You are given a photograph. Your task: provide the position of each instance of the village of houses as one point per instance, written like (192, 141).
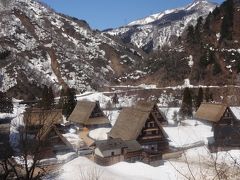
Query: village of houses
(135, 139)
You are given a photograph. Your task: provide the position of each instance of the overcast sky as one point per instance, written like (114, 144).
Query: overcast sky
(103, 14)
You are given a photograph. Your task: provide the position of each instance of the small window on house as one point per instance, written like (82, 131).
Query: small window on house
(148, 133)
(112, 153)
(149, 124)
(153, 124)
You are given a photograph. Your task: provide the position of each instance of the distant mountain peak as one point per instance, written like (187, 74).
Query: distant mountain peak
(158, 29)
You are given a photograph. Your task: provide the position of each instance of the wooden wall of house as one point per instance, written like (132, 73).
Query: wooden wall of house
(108, 153)
(46, 152)
(227, 130)
(156, 113)
(151, 137)
(133, 156)
(227, 135)
(108, 160)
(227, 118)
(97, 112)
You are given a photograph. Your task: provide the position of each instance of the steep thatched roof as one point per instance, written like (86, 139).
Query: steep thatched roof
(130, 123)
(82, 114)
(210, 112)
(44, 134)
(145, 105)
(38, 116)
(149, 106)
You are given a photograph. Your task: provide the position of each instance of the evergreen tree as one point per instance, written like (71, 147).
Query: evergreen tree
(186, 108)
(2, 101)
(61, 100)
(204, 60)
(69, 102)
(4, 54)
(216, 11)
(207, 22)
(227, 22)
(9, 105)
(216, 68)
(207, 94)
(47, 101)
(43, 102)
(199, 99)
(198, 29)
(6, 105)
(50, 98)
(190, 34)
(115, 99)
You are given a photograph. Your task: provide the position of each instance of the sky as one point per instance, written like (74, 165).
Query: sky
(104, 14)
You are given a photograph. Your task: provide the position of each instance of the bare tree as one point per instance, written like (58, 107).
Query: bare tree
(29, 148)
(215, 167)
(93, 173)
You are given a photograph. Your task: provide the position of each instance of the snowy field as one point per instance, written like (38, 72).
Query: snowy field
(190, 133)
(196, 163)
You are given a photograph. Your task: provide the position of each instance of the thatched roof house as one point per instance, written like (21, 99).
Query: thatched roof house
(145, 105)
(89, 114)
(142, 125)
(51, 132)
(40, 117)
(225, 120)
(130, 123)
(210, 112)
(52, 142)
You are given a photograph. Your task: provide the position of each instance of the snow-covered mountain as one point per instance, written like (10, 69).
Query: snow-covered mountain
(160, 29)
(40, 46)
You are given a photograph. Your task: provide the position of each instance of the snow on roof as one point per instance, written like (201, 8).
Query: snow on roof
(236, 111)
(74, 139)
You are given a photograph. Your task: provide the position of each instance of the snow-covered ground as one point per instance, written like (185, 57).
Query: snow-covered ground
(64, 158)
(190, 133)
(124, 101)
(197, 162)
(112, 115)
(95, 96)
(99, 134)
